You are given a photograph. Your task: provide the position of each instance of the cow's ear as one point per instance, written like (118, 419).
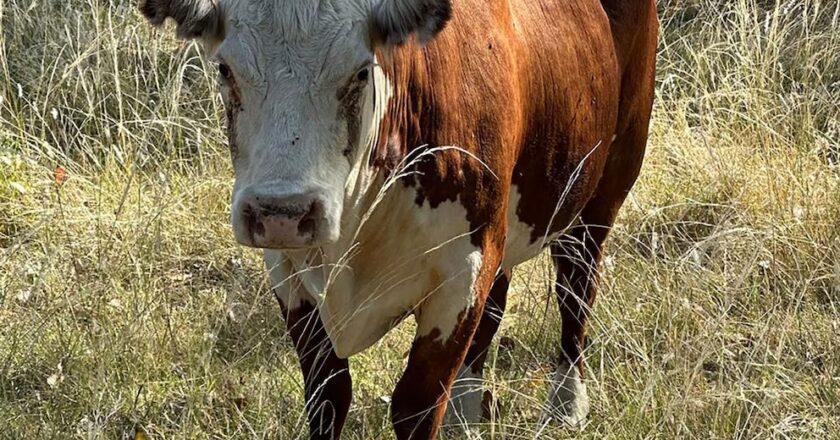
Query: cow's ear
(195, 18)
(394, 21)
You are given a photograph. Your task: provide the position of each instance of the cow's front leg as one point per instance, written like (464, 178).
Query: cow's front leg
(466, 402)
(326, 377)
(446, 322)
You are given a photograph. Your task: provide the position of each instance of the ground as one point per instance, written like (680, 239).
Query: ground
(125, 305)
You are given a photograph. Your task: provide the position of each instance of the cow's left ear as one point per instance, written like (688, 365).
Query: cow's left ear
(394, 21)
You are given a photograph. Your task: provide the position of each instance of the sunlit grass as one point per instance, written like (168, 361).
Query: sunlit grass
(125, 303)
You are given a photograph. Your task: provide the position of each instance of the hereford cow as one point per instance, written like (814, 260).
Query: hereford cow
(401, 157)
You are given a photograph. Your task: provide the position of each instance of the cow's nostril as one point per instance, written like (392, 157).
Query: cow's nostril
(309, 222)
(254, 225)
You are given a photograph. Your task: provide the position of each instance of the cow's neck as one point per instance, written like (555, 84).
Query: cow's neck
(394, 115)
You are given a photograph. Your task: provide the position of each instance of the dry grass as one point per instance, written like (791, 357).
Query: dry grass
(124, 302)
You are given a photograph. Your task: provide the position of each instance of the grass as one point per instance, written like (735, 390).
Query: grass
(125, 304)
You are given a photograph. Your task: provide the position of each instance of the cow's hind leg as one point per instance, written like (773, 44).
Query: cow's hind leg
(465, 402)
(578, 254)
(576, 257)
(327, 383)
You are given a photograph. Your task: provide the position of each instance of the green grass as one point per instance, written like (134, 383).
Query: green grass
(125, 303)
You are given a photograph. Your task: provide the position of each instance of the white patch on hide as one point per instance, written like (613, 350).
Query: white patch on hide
(376, 99)
(455, 294)
(567, 398)
(404, 257)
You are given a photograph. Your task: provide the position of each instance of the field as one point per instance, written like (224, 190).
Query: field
(125, 305)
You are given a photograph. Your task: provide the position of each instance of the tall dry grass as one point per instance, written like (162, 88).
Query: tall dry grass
(125, 304)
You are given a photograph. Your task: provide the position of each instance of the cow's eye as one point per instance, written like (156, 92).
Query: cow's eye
(363, 75)
(225, 72)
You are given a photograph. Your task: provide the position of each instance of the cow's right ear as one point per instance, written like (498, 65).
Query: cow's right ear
(200, 19)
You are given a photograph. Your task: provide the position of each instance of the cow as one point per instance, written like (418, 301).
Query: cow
(401, 157)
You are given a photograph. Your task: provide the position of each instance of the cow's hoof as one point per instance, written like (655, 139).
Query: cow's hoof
(465, 400)
(567, 399)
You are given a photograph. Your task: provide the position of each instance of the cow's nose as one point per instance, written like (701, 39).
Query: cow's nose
(279, 222)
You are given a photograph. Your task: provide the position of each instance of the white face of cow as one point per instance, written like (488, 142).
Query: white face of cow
(293, 82)
(296, 78)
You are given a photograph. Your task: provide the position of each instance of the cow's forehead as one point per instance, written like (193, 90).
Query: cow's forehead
(295, 20)
(312, 38)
